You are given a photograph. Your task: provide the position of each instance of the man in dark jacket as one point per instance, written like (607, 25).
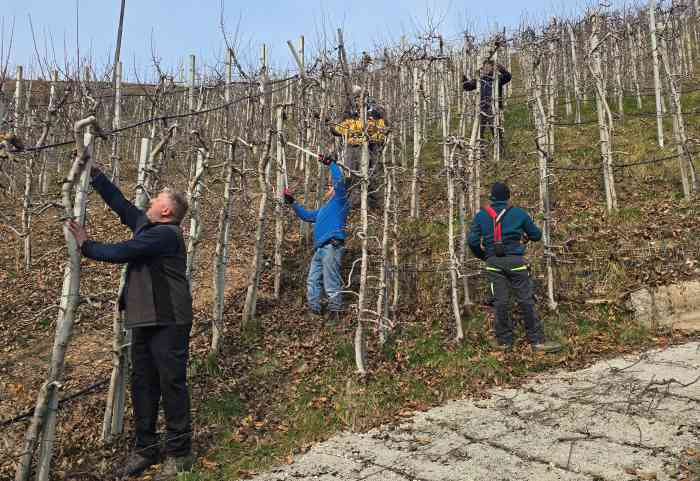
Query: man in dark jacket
(158, 308)
(486, 104)
(496, 236)
(329, 240)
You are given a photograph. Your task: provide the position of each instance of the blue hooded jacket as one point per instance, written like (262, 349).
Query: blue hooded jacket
(514, 223)
(330, 219)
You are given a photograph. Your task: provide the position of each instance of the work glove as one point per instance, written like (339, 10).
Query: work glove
(326, 159)
(288, 197)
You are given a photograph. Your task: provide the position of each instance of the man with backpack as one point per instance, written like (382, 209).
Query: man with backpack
(496, 236)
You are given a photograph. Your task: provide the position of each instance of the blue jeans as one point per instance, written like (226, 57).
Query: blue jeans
(324, 274)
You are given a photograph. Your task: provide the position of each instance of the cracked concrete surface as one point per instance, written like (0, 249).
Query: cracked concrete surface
(619, 420)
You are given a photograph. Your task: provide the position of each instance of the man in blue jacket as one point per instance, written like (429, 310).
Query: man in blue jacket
(158, 308)
(496, 236)
(329, 240)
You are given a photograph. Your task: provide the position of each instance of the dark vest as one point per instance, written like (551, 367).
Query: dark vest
(157, 292)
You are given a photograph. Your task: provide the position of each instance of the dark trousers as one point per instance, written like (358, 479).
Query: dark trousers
(506, 273)
(487, 125)
(159, 370)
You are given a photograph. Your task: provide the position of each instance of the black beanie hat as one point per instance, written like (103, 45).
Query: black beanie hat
(500, 192)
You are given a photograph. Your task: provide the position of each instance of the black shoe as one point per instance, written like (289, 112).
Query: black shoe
(135, 465)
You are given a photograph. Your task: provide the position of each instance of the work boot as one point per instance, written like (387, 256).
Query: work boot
(547, 347)
(314, 314)
(173, 466)
(135, 465)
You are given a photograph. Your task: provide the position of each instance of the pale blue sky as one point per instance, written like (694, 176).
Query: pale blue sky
(179, 28)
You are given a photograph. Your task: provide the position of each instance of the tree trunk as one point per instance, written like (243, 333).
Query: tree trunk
(194, 196)
(221, 256)
(604, 116)
(417, 142)
(657, 78)
(254, 278)
(43, 427)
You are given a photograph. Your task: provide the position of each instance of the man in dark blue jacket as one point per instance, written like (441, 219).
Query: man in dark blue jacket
(496, 236)
(329, 240)
(486, 103)
(158, 308)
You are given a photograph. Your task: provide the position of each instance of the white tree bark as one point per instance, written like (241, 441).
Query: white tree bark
(604, 115)
(254, 278)
(685, 157)
(281, 177)
(575, 71)
(222, 246)
(194, 197)
(360, 344)
(42, 429)
(116, 121)
(417, 142)
(657, 77)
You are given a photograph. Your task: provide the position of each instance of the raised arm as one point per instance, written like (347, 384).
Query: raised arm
(128, 213)
(159, 240)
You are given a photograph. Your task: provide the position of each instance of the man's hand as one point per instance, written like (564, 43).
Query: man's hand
(288, 197)
(326, 159)
(78, 232)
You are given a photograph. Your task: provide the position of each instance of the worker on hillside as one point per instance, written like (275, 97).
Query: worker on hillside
(329, 240)
(487, 116)
(352, 130)
(496, 236)
(158, 309)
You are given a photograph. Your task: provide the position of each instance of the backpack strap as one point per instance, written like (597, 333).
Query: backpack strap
(497, 218)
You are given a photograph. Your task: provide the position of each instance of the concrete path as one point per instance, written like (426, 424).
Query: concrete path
(620, 420)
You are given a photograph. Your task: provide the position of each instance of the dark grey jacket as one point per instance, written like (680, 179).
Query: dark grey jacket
(156, 291)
